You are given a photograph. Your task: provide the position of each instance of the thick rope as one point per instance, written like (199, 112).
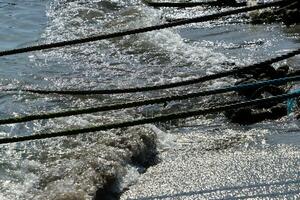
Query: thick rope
(160, 118)
(164, 86)
(191, 4)
(132, 104)
(143, 30)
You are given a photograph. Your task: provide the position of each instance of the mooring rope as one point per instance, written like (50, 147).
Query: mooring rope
(160, 118)
(143, 30)
(164, 86)
(132, 104)
(191, 4)
(286, 7)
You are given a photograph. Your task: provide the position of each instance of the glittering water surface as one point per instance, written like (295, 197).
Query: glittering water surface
(253, 161)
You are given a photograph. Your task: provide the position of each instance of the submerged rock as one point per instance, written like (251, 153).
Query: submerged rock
(288, 15)
(264, 111)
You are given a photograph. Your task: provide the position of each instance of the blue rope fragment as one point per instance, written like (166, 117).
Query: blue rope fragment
(292, 102)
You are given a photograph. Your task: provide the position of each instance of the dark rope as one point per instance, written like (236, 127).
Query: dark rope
(160, 118)
(192, 4)
(132, 104)
(143, 30)
(165, 86)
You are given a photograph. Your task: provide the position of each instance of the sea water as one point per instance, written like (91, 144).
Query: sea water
(76, 167)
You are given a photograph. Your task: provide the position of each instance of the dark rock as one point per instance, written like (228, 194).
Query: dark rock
(278, 111)
(289, 15)
(270, 110)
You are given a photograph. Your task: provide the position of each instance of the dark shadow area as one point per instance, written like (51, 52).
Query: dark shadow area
(108, 192)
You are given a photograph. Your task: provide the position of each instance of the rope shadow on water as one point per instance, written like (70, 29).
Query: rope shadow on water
(234, 188)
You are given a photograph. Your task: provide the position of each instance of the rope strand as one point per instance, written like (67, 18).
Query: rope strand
(160, 118)
(132, 104)
(191, 4)
(143, 30)
(164, 86)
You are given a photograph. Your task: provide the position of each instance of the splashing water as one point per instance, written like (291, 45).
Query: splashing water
(75, 167)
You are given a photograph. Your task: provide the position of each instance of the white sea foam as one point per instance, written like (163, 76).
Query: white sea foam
(74, 167)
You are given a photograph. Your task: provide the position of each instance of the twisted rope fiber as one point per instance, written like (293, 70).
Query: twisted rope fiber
(160, 118)
(143, 30)
(132, 104)
(164, 86)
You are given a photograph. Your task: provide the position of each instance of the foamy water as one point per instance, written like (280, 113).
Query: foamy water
(75, 167)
